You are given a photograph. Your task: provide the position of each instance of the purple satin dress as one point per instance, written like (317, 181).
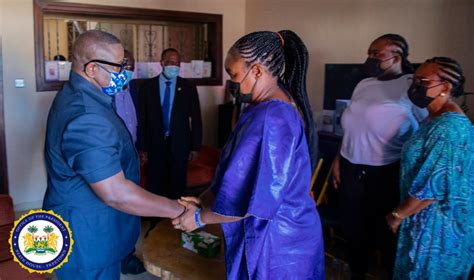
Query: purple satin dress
(264, 174)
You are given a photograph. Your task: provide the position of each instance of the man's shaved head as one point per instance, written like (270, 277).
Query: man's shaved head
(93, 44)
(97, 45)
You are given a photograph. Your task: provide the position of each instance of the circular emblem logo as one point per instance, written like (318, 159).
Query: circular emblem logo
(41, 241)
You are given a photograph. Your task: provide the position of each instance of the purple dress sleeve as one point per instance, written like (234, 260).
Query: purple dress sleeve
(256, 172)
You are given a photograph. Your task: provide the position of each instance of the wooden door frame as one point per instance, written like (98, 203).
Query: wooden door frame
(3, 154)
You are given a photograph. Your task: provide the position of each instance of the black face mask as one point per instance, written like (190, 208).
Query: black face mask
(233, 88)
(372, 66)
(417, 95)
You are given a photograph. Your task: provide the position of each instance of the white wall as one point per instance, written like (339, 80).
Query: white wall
(26, 110)
(340, 31)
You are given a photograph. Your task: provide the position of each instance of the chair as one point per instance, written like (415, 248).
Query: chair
(315, 175)
(201, 170)
(324, 188)
(327, 211)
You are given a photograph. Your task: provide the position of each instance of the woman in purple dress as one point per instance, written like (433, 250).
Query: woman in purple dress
(260, 193)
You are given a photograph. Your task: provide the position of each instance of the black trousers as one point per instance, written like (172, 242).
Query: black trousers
(367, 195)
(169, 178)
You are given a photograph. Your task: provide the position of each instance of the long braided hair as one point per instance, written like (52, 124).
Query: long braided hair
(402, 50)
(285, 56)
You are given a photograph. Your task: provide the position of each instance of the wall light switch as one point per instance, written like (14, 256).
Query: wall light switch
(19, 83)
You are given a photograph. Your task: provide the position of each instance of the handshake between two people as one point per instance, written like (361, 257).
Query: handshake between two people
(190, 219)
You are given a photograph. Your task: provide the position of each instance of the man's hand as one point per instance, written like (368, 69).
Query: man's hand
(186, 222)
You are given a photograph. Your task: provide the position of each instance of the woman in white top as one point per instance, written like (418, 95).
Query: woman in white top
(366, 171)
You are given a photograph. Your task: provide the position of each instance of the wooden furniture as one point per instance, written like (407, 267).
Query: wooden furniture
(201, 170)
(8, 268)
(164, 257)
(328, 148)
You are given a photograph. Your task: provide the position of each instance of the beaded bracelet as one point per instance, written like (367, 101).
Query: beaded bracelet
(196, 218)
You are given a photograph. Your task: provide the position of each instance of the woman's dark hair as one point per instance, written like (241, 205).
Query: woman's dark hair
(285, 56)
(403, 50)
(450, 71)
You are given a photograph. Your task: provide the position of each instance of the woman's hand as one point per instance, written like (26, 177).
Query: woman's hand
(393, 222)
(336, 173)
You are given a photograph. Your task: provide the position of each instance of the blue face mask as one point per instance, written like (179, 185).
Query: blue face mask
(171, 72)
(117, 81)
(129, 75)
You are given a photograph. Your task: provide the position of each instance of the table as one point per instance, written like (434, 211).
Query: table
(164, 257)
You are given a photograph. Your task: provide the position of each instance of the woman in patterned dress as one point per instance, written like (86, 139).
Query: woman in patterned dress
(437, 210)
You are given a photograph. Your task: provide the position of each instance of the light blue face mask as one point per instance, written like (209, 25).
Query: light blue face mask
(171, 72)
(129, 75)
(117, 81)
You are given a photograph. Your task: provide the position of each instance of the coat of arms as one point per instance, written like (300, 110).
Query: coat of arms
(40, 244)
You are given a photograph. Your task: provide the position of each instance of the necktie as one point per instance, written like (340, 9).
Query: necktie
(166, 109)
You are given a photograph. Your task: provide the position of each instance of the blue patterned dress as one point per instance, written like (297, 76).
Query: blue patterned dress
(437, 164)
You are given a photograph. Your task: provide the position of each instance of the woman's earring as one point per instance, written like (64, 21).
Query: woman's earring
(443, 93)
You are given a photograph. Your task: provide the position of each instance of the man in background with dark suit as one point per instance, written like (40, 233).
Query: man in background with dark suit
(169, 127)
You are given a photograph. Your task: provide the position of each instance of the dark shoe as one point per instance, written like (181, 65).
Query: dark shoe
(132, 265)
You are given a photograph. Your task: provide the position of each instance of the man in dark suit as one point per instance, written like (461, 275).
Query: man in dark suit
(169, 127)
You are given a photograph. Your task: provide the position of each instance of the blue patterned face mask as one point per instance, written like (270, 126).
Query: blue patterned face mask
(117, 81)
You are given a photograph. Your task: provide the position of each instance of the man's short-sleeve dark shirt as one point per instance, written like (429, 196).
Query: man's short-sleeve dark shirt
(87, 142)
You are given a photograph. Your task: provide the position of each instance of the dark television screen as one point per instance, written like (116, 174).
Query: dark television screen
(340, 81)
